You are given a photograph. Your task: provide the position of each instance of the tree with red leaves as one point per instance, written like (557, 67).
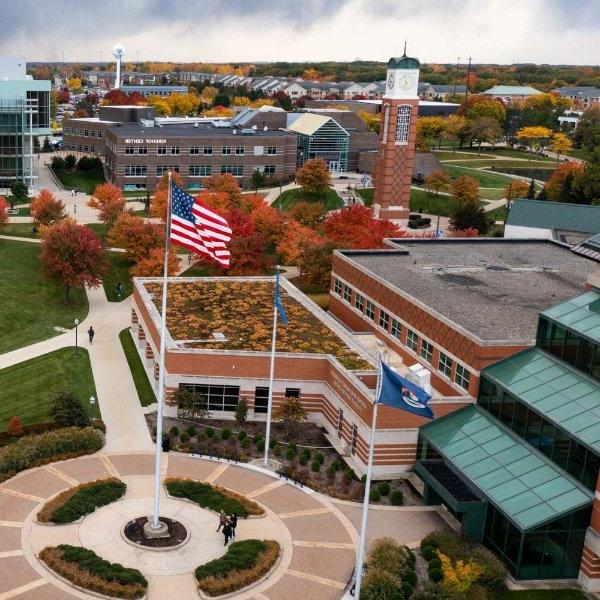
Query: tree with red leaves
(73, 255)
(63, 96)
(116, 98)
(4, 206)
(249, 255)
(109, 201)
(46, 208)
(356, 227)
(270, 223)
(296, 238)
(153, 264)
(136, 99)
(226, 183)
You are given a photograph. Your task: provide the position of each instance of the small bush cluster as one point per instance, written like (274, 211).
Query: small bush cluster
(32, 450)
(81, 500)
(244, 563)
(86, 569)
(212, 497)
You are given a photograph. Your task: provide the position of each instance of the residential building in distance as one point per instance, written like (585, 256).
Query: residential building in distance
(506, 93)
(435, 92)
(582, 97)
(24, 115)
(154, 90)
(564, 222)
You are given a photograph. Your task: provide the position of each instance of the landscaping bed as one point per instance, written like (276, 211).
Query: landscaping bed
(213, 497)
(140, 379)
(245, 563)
(81, 500)
(85, 569)
(60, 444)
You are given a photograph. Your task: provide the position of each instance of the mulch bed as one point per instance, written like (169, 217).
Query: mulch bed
(134, 532)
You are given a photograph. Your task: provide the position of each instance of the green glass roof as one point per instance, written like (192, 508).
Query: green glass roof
(567, 397)
(580, 314)
(526, 486)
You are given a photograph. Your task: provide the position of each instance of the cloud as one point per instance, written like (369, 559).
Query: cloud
(500, 31)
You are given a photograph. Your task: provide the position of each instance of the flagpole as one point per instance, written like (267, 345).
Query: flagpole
(365, 511)
(161, 372)
(270, 397)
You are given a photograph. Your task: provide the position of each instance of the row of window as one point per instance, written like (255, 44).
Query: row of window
(194, 170)
(195, 150)
(391, 325)
(94, 133)
(83, 148)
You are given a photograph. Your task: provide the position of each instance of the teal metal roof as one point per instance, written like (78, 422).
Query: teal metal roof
(512, 90)
(561, 393)
(526, 486)
(580, 314)
(555, 215)
(403, 62)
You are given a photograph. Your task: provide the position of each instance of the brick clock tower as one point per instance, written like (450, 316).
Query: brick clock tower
(397, 136)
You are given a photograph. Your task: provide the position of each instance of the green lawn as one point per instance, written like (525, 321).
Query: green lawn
(142, 385)
(118, 271)
(31, 305)
(579, 153)
(18, 230)
(567, 594)
(471, 153)
(82, 181)
(426, 202)
(27, 388)
(499, 164)
(366, 194)
(485, 178)
(491, 193)
(291, 197)
(197, 271)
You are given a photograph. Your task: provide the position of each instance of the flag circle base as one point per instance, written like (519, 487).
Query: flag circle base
(166, 536)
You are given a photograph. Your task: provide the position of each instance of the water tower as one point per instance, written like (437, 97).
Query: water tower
(118, 52)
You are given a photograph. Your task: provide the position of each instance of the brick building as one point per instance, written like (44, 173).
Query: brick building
(317, 360)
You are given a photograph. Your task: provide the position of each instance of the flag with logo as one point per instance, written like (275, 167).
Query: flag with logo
(278, 303)
(399, 392)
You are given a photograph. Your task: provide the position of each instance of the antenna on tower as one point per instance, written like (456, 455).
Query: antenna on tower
(405, 39)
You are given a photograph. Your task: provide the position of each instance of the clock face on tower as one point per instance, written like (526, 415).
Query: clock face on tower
(406, 82)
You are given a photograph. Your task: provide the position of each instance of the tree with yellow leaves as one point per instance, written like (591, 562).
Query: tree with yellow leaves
(560, 144)
(312, 74)
(74, 85)
(517, 188)
(459, 577)
(371, 120)
(176, 105)
(208, 94)
(455, 128)
(241, 101)
(535, 137)
(430, 129)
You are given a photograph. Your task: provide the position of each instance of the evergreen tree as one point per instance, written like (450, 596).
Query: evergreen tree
(468, 215)
(566, 191)
(46, 147)
(542, 195)
(531, 190)
(67, 410)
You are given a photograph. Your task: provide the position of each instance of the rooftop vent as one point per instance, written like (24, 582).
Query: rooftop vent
(195, 124)
(234, 132)
(248, 131)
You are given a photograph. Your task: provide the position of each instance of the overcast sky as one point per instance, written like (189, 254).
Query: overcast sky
(499, 31)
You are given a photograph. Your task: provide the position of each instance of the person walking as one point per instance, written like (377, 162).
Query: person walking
(233, 523)
(222, 520)
(227, 531)
(91, 334)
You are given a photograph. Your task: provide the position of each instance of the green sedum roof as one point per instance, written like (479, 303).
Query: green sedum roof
(554, 215)
(580, 314)
(526, 486)
(561, 393)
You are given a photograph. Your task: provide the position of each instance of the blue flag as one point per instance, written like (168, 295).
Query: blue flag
(278, 303)
(398, 392)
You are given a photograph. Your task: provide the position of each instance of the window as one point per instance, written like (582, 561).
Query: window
(412, 340)
(396, 330)
(226, 150)
(384, 319)
(239, 150)
(194, 150)
(426, 351)
(261, 399)
(402, 124)
(218, 397)
(347, 293)
(340, 423)
(292, 392)
(370, 310)
(236, 170)
(135, 170)
(462, 377)
(99, 134)
(337, 286)
(175, 149)
(86, 133)
(93, 133)
(445, 364)
(359, 302)
(386, 121)
(128, 149)
(207, 150)
(200, 170)
(161, 150)
(272, 150)
(354, 439)
(269, 170)
(143, 150)
(162, 169)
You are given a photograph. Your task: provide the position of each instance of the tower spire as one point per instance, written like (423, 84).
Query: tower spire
(405, 39)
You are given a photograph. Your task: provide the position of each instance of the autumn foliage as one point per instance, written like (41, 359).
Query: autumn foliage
(314, 176)
(109, 201)
(152, 265)
(356, 227)
(517, 188)
(15, 427)
(557, 178)
(46, 208)
(4, 206)
(136, 235)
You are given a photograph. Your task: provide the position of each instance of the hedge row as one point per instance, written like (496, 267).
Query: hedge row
(34, 450)
(212, 497)
(81, 500)
(244, 563)
(86, 569)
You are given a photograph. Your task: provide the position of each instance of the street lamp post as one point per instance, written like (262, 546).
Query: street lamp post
(92, 402)
(76, 345)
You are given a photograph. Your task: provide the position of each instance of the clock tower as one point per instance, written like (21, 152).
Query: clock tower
(397, 136)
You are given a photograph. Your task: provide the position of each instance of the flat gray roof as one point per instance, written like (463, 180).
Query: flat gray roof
(492, 288)
(188, 130)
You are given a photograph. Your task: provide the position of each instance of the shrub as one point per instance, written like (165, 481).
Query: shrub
(246, 443)
(455, 546)
(290, 453)
(363, 479)
(410, 555)
(335, 464)
(330, 472)
(428, 553)
(315, 466)
(493, 572)
(260, 445)
(244, 563)
(86, 569)
(216, 438)
(306, 452)
(387, 555)
(209, 432)
(67, 410)
(225, 433)
(320, 457)
(384, 488)
(272, 443)
(374, 495)
(303, 460)
(191, 430)
(277, 451)
(257, 438)
(434, 591)
(407, 589)
(15, 427)
(81, 500)
(347, 477)
(410, 577)
(242, 435)
(174, 431)
(212, 497)
(397, 498)
(32, 450)
(434, 563)
(184, 437)
(154, 431)
(378, 584)
(435, 575)
(293, 447)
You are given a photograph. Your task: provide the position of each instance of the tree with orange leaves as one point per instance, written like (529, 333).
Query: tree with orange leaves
(153, 264)
(356, 227)
(556, 181)
(314, 176)
(295, 239)
(270, 223)
(46, 208)
(158, 204)
(136, 235)
(309, 214)
(250, 202)
(217, 200)
(3, 211)
(226, 183)
(109, 201)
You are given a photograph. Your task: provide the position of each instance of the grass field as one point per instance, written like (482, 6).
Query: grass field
(27, 388)
(142, 385)
(118, 271)
(485, 178)
(291, 197)
(366, 194)
(18, 230)
(82, 181)
(567, 594)
(99, 229)
(490, 152)
(498, 164)
(31, 305)
(426, 202)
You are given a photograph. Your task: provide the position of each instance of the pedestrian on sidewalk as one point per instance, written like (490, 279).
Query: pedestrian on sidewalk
(91, 333)
(119, 290)
(72, 192)
(233, 523)
(222, 520)
(227, 532)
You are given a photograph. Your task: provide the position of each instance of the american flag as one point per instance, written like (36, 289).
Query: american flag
(199, 228)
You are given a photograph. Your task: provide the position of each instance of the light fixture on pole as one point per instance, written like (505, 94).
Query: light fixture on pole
(92, 402)
(76, 344)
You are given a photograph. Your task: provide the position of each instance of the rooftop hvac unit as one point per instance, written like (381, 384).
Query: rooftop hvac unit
(248, 131)
(420, 376)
